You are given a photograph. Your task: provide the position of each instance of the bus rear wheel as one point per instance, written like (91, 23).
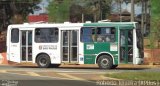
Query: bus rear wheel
(105, 62)
(43, 61)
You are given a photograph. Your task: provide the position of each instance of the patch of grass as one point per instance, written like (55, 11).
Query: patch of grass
(135, 75)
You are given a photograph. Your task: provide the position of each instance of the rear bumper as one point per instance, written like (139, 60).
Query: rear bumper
(139, 61)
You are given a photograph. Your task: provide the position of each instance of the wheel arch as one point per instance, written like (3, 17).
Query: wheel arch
(41, 54)
(104, 53)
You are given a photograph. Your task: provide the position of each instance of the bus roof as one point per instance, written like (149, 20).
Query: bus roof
(112, 24)
(39, 25)
(101, 24)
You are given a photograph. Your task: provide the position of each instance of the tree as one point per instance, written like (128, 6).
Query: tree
(22, 8)
(76, 13)
(93, 10)
(15, 11)
(155, 23)
(100, 9)
(58, 10)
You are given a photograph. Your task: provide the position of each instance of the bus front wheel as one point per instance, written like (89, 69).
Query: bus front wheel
(105, 62)
(43, 61)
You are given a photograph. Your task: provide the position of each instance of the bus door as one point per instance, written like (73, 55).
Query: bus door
(126, 46)
(69, 46)
(26, 45)
(14, 46)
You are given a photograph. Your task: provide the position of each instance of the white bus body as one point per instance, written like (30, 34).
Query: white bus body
(61, 43)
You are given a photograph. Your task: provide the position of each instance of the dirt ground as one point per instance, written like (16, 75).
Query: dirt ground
(152, 56)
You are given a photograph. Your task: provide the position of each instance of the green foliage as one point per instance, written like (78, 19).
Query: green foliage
(136, 75)
(154, 35)
(15, 8)
(26, 7)
(155, 23)
(72, 10)
(155, 9)
(59, 10)
(99, 8)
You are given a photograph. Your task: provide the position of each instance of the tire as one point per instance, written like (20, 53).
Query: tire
(114, 66)
(43, 61)
(105, 62)
(55, 65)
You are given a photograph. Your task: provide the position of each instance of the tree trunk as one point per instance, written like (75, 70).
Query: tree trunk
(95, 17)
(100, 9)
(132, 10)
(13, 7)
(120, 11)
(145, 16)
(142, 17)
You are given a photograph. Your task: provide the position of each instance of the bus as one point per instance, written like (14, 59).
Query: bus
(106, 44)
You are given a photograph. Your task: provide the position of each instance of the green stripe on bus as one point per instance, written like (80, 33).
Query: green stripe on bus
(91, 50)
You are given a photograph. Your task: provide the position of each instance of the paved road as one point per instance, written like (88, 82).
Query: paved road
(74, 69)
(33, 76)
(24, 80)
(15, 76)
(63, 76)
(56, 83)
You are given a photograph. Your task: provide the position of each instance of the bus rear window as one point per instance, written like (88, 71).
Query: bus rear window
(15, 35)
(46, 35)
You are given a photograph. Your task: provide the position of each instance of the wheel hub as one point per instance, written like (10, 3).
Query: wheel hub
(104, 62)
(43, 61)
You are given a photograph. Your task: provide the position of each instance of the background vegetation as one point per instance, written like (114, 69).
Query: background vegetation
(74, 10)
(15, 11)
(136, 75)
(155, 24)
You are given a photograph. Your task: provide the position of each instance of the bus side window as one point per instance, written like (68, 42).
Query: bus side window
(46, 35)
(113, 33)
(37, 35)
(54, 35)
(105, 34)
(15, 35)
(87, 34)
